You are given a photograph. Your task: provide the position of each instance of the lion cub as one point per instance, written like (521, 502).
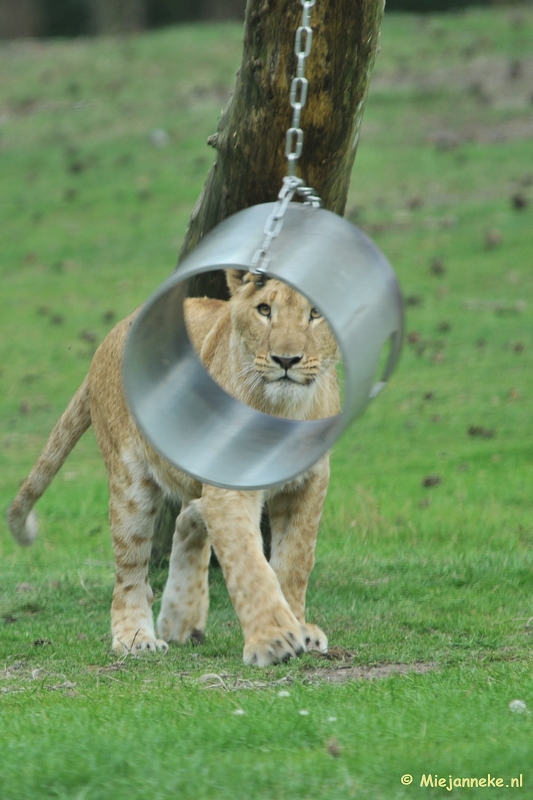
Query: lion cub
(271, 349)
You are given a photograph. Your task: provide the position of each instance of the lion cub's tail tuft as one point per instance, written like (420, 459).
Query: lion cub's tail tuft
(23, 525)
(21, 518)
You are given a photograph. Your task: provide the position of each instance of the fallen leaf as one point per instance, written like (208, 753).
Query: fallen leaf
(437, 267)
(25, 587)
(431, 480)
(479, 430)
(519, 201)
(88, 336)
(333, 747)
(493, 238)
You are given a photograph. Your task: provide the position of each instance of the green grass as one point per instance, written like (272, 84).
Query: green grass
(93, 214)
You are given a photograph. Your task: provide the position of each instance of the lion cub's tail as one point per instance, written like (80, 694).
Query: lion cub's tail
(71, 426)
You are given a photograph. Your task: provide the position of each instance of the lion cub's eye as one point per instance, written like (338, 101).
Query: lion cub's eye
(315, 313)
(264, 309)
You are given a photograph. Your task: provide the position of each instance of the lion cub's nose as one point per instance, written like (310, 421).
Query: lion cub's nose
(286, 361)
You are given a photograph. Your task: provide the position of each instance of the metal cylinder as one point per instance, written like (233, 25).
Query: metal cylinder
(190, 420)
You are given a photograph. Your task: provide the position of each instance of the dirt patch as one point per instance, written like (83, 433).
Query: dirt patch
(233, 683)
(18, 677)
(493, 82)
(343, 674)
(511, 130)
(496, 80)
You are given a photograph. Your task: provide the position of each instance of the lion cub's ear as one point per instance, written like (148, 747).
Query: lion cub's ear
(235, 279)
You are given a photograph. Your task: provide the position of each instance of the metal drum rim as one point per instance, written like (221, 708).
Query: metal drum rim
(336, 425)
(189, 269)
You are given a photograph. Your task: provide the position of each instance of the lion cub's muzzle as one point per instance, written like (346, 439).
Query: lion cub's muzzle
(290, 369)
(287, 363)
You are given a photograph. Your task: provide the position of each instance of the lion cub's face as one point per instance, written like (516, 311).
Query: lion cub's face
(286, 348)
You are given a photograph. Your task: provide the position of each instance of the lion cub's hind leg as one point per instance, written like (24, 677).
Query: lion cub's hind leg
(133, 505)
(185, 600)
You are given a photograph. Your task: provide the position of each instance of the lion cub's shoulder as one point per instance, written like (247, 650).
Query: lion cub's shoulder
(202, 312)
(204, 316)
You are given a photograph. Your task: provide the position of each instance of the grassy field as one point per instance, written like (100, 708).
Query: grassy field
(424, 578)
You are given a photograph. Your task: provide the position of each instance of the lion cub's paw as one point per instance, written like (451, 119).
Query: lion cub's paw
(175, 629)
(315, 639)
(140, 642)
(279, 646)
(181, 620)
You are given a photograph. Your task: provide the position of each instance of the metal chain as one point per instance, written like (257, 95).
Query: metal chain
(298, 95)
(293, 144)
(274, 222)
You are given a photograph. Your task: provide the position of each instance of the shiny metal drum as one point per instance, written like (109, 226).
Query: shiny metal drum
(191, 421)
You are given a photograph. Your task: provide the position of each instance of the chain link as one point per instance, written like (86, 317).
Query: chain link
(293, 144)
(299, 86)
(274, 222)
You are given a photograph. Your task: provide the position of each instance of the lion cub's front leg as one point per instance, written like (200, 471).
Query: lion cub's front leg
(271, 631)
(294, 519)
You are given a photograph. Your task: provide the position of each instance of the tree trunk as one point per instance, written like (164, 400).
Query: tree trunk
(250, 140)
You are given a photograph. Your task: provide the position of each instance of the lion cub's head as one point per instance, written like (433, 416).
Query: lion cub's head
(284, 350)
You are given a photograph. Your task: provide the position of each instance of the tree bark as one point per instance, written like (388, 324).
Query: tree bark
(250, 141)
